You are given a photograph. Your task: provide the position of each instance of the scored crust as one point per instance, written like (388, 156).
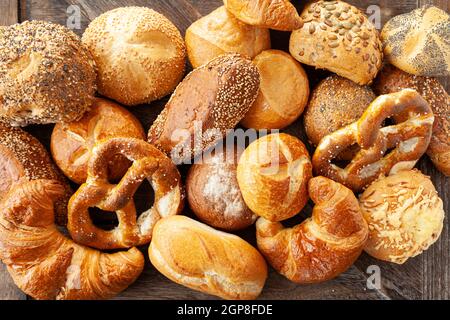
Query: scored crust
(46, 75)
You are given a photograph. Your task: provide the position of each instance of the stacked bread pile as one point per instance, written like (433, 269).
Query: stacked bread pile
(366, 140)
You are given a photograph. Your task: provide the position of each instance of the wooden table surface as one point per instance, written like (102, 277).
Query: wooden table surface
(424, 277)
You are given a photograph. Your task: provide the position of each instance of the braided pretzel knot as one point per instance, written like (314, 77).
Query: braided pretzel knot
(407, 139)
(148, 163)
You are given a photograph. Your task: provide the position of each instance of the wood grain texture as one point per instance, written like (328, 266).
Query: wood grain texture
(8, 15)
(424, 277)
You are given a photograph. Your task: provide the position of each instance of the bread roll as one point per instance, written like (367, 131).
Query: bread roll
(283, 92)
(140, 54)
(417, 41)
(273, 14)
(273, 174)
(405, 216)
(220, 32)
(392, 79)
(210, 100)
(22, 158)
(335, 103)
(197, 256)
(72, 143)
(213, 191)
(321, 247)
(338, 37)
(46, 75)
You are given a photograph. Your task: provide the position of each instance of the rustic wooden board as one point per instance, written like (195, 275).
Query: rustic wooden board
(424, 277)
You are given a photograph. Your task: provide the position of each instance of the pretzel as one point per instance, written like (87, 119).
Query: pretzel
(148, 163)
(407, 139)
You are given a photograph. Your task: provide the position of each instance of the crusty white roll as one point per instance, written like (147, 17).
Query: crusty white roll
(417, 42)
(273, 14)
(273, 174)
(213, 191)
(283, 93)
(405, 216)
(46, 74)
(220, 32)
(338, 37)
(72, 143)
(140, 54)
(201, 258)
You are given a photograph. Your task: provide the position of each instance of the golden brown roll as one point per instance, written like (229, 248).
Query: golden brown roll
(46, 75)
(283, 92)
(321, 247)
(335, 103)
(392, 79)
(273, 174)
(215, 262)
(338, 37)
(273, 14)
(72, 143)
(22, 158)
(220, 32)
(405, 216)
(213, 191)
(417, 42)
(210, 100)
(140, 54)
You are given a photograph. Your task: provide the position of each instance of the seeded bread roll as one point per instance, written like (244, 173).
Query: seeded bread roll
(338, 37)
(392, 80)
(405, 216)
(335, 103)
(46, 75)
(210, 100)
(72, 143)
(272, 14)
(283, 94)
(213, 191)
(417, 42)
(23, 157)
(220, 32)
(140, 54)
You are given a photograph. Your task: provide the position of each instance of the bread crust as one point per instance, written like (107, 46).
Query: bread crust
(417, 42)
(216, 262)
(72, 143)
(273, 174)
(46, 74)
(405, 216)
(212, 99)
(335, 103)
(140, 54)
(24, 158)
(283, 92)
(321, 247)
(220, 32)
(338, 37)
(272, 14)
(392, 79)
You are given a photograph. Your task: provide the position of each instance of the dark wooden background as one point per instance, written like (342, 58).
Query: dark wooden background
(424, 277)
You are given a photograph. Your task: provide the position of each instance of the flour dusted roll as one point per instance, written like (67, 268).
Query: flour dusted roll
(140, 54)
(220, 32)
(417, 41)
(201, 258)
(46, 74)
(213, 191)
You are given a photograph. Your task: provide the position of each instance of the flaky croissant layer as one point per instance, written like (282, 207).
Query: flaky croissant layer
(47, 265)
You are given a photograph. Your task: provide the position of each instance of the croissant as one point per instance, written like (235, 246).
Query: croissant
(324, 245)
(47, 265)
